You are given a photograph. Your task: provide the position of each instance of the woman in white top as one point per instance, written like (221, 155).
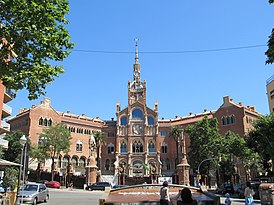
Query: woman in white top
(164, 194)
(249, 194)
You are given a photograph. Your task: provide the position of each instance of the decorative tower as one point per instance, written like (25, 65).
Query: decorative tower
(136, 88)
(183, 167)
(91, 168)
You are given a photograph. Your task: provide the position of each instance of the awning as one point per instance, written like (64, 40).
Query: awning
(8, 163)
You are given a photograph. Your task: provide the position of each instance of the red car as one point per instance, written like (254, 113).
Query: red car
(53, 184)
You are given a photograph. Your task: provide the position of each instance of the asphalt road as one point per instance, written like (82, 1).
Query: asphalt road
(76, 196)
(82, 197)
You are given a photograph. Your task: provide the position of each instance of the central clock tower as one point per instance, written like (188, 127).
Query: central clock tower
(137, 146)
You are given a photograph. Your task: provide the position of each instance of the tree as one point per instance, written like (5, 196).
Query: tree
(261, 139)
(53, 141)
(13, 153)
(270, 52)
(100, 139)
(33, 37)
(10, 178)
(176, 133)
(234, 149)
(205, 141)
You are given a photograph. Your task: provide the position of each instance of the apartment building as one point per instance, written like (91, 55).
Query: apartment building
(270, 93)
(6, 95)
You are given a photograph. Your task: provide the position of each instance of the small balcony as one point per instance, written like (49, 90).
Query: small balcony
(9, 95)
(4, 127)
(4, 143)
(6, 111)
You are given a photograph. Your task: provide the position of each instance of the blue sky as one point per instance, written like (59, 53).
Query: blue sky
(181, 82)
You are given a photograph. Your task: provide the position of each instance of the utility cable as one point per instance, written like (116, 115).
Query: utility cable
(169, 52)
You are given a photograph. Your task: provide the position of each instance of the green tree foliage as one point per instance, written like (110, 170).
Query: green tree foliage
(13, 153)
(270, 52)
(205, 141)
(10, 178)
(53, 141)
(34, 30)
(235, 146)
(261, 139)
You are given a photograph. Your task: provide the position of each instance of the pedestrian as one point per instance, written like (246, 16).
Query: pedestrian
(185, 197)
(164, 194)
(249, 192)
(227, 199)
(71, 186)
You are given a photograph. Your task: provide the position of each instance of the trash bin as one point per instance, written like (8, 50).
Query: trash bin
(266, 191)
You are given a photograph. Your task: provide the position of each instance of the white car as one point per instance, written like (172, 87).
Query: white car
(33, 193)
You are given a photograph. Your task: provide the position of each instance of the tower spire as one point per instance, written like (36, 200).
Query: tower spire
(136, 51)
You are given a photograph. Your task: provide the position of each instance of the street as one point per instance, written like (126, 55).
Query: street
(82, 197)
(76, 196)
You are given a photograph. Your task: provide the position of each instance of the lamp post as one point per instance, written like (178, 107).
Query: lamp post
(205, 161)
(23, 141)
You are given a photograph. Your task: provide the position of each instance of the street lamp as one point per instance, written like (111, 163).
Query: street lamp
(23, 141)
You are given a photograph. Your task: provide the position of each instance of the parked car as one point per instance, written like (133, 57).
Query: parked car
(228, 188)
(53, 184)
(225, 188)
(98, 186)
(238, 188)
(33, 193)
(118, 186)
(42, 181)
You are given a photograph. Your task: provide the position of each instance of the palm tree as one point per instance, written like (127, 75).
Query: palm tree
(100, 139)
(176, 133)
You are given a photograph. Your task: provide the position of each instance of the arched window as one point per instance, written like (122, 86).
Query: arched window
(45, 122)
(79, 146)
(82, 162)
(74, 162)
(164, 148)
(232, 119)
(41, 121)
(228, 120)
(65, 162)
(137, 114)
(223, 120)
(150, 120)
(49, 122)
(123, 121)
(123, 147)
(110, 148)
(151, 146)
(107, 164)
(137, 146)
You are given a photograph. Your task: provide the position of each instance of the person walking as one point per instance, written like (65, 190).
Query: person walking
(164, 194)
(249, 192)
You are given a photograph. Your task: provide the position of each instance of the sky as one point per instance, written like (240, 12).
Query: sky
(192, 54)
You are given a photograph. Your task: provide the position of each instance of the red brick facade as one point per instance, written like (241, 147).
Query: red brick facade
(136, 140)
